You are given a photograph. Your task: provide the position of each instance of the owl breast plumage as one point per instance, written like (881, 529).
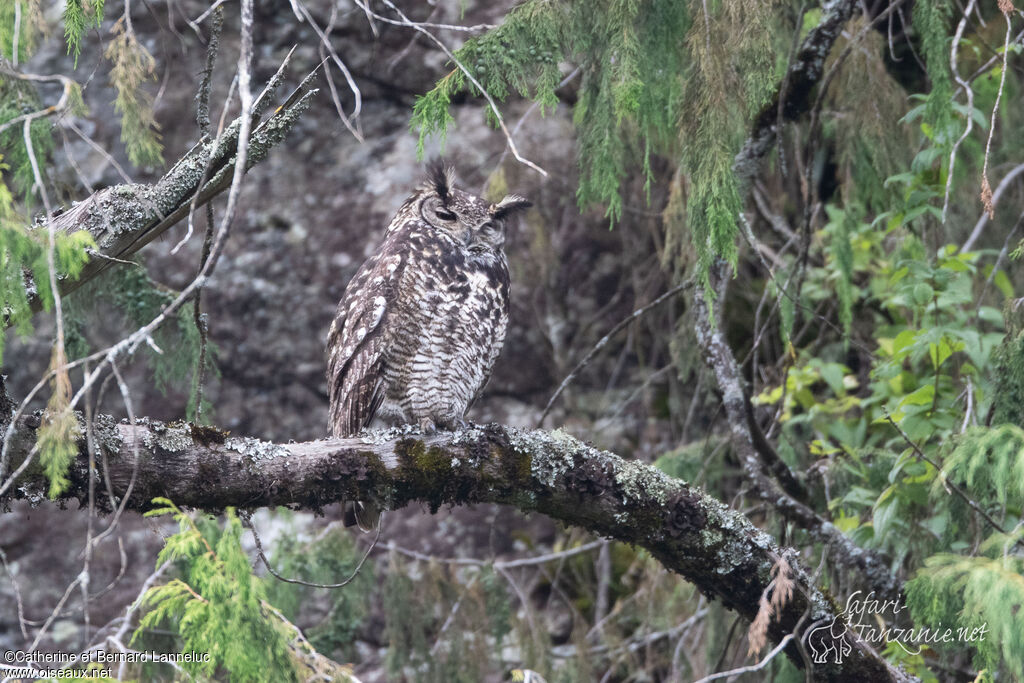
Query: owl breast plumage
(423, 321)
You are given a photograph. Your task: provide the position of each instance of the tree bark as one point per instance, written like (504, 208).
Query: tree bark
(714, 547)
(124, 218)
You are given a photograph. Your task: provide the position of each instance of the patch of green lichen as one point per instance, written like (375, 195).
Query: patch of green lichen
(376, 471)
(423, 472)
(206, 436)
(516, 467)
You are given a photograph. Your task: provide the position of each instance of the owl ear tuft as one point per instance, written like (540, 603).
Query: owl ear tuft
(510, 206)
(441, 178)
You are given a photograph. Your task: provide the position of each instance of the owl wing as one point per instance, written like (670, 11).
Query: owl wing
(357, 342)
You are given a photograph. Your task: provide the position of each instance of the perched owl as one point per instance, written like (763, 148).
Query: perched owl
(420, 325)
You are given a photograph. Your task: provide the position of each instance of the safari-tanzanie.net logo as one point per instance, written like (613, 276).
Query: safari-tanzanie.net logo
(869, 619)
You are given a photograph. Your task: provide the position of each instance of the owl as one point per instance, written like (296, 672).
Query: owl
(420, 325)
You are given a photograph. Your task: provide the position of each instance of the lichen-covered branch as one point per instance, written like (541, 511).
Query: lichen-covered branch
(124, 218)
(793, 98)
(719, 357)
(712, 546)
(772, 480)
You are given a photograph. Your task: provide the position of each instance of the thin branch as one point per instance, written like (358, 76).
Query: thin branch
(986, 189)
(996, 196)
(203, 120)
(946, 482)
(753, 667)
(498, 564)
(633, 317)
(202, 17)
(17, 594)
(325, 43)
(469, 76)
(266, 563)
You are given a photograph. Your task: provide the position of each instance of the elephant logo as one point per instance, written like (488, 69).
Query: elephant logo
(829, 639)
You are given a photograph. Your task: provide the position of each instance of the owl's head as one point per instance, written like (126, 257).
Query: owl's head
(471, 220)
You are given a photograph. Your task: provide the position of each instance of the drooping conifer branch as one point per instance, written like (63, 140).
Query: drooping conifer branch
(793, 97)
(124, 218)
(692, 534)
(771, 478)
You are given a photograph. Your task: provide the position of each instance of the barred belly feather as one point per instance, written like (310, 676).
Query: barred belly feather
(421, 324)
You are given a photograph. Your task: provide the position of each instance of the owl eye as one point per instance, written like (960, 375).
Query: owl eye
(445, 215)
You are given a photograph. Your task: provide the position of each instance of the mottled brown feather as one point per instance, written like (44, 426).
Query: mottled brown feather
(420, 325)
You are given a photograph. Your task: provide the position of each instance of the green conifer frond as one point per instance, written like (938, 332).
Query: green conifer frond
(984, 596)
(133, 66)
(79, 16)
(653, 82)
(931, 20)
(1008, 397)
(216, 606)
(989, 462)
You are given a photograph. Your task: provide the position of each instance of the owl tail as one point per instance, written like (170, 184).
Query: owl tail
(364, 514)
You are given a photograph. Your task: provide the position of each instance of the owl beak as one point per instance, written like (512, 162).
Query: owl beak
(469, 237)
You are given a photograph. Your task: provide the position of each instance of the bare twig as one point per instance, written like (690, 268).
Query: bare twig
(17, 594)
(497, 564)
(325, 43)
(986, 189)
(63, 104)
(753, 667)
(203, 120)
(202, 17)
(979, 227)
(604, 341)
(266, 563)
(469, 76)
(970, 103)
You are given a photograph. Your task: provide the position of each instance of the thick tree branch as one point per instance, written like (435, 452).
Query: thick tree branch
(772, 479)
(124, 218)
(719, 357)
(549, 472)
